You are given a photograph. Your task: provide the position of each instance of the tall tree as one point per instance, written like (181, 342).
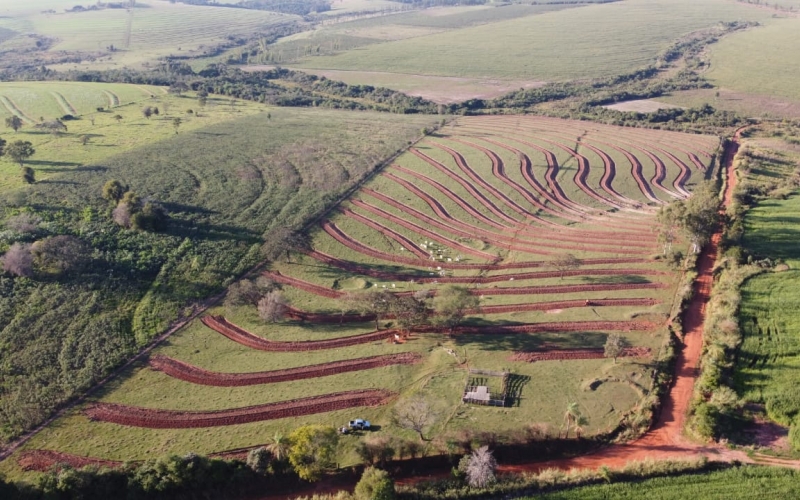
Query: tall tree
(408, 312)
(20, 151)
(451, 305)
(176, 123)
(283, 240)
(14, 122)
(481, 468)
(113, 190)
(272, 308)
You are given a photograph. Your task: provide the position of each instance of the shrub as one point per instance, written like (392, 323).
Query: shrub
(481, 468)
(258, 460)
(375, 484)
(794, 436)
(18, 260)
(784, 406)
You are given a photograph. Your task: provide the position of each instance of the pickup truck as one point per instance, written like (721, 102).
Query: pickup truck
(359, 424)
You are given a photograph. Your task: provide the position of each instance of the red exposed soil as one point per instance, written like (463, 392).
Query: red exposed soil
(44, 460)
(573, 354)
(173, 419)
(351, 243)
(196, 375)
(242, 336)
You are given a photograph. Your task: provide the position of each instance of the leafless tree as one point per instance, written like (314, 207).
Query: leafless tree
(272, 307)
(415, 414)
(566, 263)
(614, 346)
(481, 468)
(122, 215)
(18, 260)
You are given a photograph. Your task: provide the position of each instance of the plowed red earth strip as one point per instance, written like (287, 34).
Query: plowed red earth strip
(359, 247)
(44, 460)
(573, 354)
(564, 326)
(243, 337)
(545, 240)
(196, 375)
(173, 419)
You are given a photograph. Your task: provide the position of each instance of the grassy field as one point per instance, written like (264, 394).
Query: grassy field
(591, 41)
(156, 29)
(750, 482)
(226, 177)
(754, 61)
(603, 389)
(32, 101)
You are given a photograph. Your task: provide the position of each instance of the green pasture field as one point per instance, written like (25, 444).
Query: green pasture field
(772, 230)
(751, 105)
(754, 61)
(157, 29)
(50, 100)
(758, 483)
(591, 41)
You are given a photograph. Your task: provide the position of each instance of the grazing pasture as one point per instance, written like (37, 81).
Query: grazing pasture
(586, 42)
(754, 61)
(491, 203)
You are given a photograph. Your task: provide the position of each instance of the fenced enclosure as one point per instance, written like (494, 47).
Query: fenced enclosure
(486, 387)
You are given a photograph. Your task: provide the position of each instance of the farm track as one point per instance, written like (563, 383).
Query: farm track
(575, 354)
(173, 419)
(196, 375)
(349, 242)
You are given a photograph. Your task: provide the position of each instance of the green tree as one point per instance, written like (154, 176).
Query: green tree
(19, 151)
(451, 305)
(258, 460)
(566, 262)
(614, 346)
(118, 118)
(376, 303)
(408, 312)
(14, 122)
(176, 123)
(283, 240)
(313, 449)
(113, 190)
(375, 484)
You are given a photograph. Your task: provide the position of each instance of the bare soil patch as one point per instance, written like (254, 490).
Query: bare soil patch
(641, 106)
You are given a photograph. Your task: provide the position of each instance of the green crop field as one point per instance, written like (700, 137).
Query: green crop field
(751, 482)
(755, 61)
(591, 41)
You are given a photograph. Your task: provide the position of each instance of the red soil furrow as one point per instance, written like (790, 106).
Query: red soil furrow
(588, 243)
(498, 169)
(608, 176)
(636, 172)
(683, 177)
(242, 336)
(541, 275)
(44, 460)
(574, 354)
(661, 173)
(526, 168)
(173, 419)
(406, 243)
(303, 285)
(697, 162)
(349, 242)
(196, 375)
(582, 174)
(466, 185)
(470, 172)
(567, 130)
(447, 192)
(417, 229)
(310, 317)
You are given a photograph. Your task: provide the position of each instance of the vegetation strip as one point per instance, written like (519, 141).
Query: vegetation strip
(573, 354)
